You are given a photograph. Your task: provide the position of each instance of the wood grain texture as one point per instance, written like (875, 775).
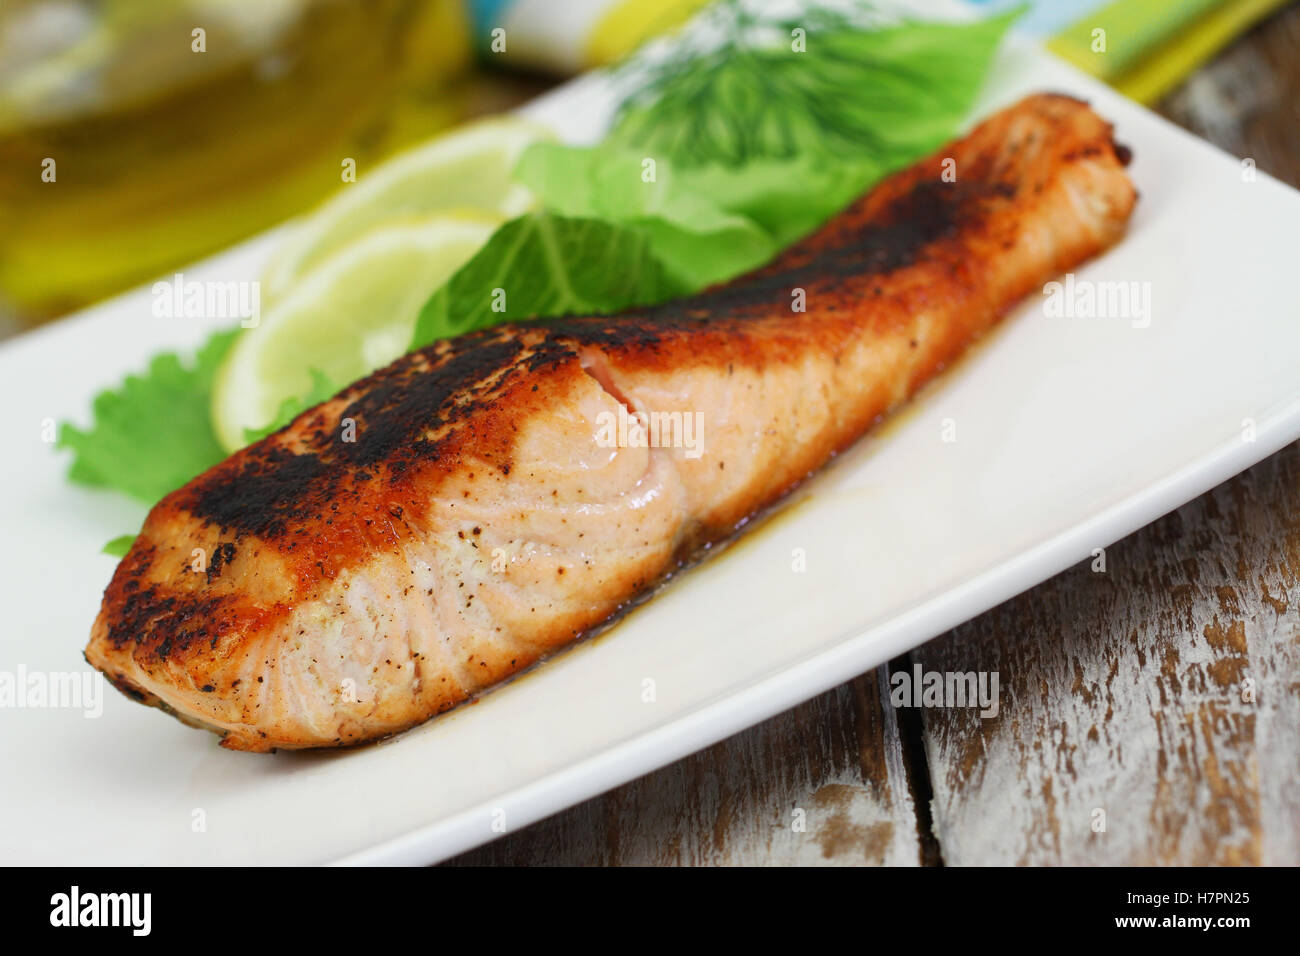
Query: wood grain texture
(1123, 691)
(1120, 691)
(833, 764)
(1162, 692)
(1247, 101)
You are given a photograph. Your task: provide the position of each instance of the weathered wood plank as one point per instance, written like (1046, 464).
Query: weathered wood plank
(824, 783)
(1162, 693)
(1247, 101)
(1123, 692)
(1120, 691)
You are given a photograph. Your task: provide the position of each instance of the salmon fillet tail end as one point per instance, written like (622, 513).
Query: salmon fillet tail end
(479, 504)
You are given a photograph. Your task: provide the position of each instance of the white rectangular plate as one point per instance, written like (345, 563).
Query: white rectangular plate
(1071, 432)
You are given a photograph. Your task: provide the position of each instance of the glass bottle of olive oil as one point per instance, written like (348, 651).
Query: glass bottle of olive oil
(137, 136)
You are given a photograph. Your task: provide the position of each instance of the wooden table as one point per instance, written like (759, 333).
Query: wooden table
(1149, 714)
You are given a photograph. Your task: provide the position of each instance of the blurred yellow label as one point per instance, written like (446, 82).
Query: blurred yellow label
(629, 23)
(575, 35)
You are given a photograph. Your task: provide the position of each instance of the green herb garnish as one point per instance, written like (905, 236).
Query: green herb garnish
(824, 83)
(120, 545)
(544, 264)
(322, 389)
(754, 138)
(152, 433)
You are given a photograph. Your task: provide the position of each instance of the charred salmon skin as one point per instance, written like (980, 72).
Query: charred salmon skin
(476, 505)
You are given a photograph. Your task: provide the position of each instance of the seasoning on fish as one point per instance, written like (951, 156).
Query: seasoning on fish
(453, 518)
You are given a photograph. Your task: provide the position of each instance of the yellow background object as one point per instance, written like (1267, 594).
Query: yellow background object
(164, 166)
(1153, 45)
(628, 24)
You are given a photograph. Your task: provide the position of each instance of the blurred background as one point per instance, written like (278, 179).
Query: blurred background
(183, 126)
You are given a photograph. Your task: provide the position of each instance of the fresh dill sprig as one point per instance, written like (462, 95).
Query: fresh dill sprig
(737, 85)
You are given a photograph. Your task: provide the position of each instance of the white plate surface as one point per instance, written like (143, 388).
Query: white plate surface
(1070, 434)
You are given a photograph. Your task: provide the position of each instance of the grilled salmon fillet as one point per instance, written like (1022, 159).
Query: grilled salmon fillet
(454, 517)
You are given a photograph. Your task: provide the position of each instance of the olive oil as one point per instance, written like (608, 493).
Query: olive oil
(195, 136)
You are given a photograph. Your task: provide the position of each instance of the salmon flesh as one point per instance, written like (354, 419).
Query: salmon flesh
(453, 518)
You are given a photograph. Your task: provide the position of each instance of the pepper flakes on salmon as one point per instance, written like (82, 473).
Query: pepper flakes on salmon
(357, 588)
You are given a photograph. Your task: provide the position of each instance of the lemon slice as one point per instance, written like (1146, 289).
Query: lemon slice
(351, 314)
(467, 169)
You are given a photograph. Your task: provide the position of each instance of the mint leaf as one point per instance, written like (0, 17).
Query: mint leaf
(152, 433)
(542, 264)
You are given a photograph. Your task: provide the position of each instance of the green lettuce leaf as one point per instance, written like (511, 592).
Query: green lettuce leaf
(698, 242)
(853, 94)
(787, 139)
(753, 150)
(754, 145)
(120, 545)
(542, 264)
